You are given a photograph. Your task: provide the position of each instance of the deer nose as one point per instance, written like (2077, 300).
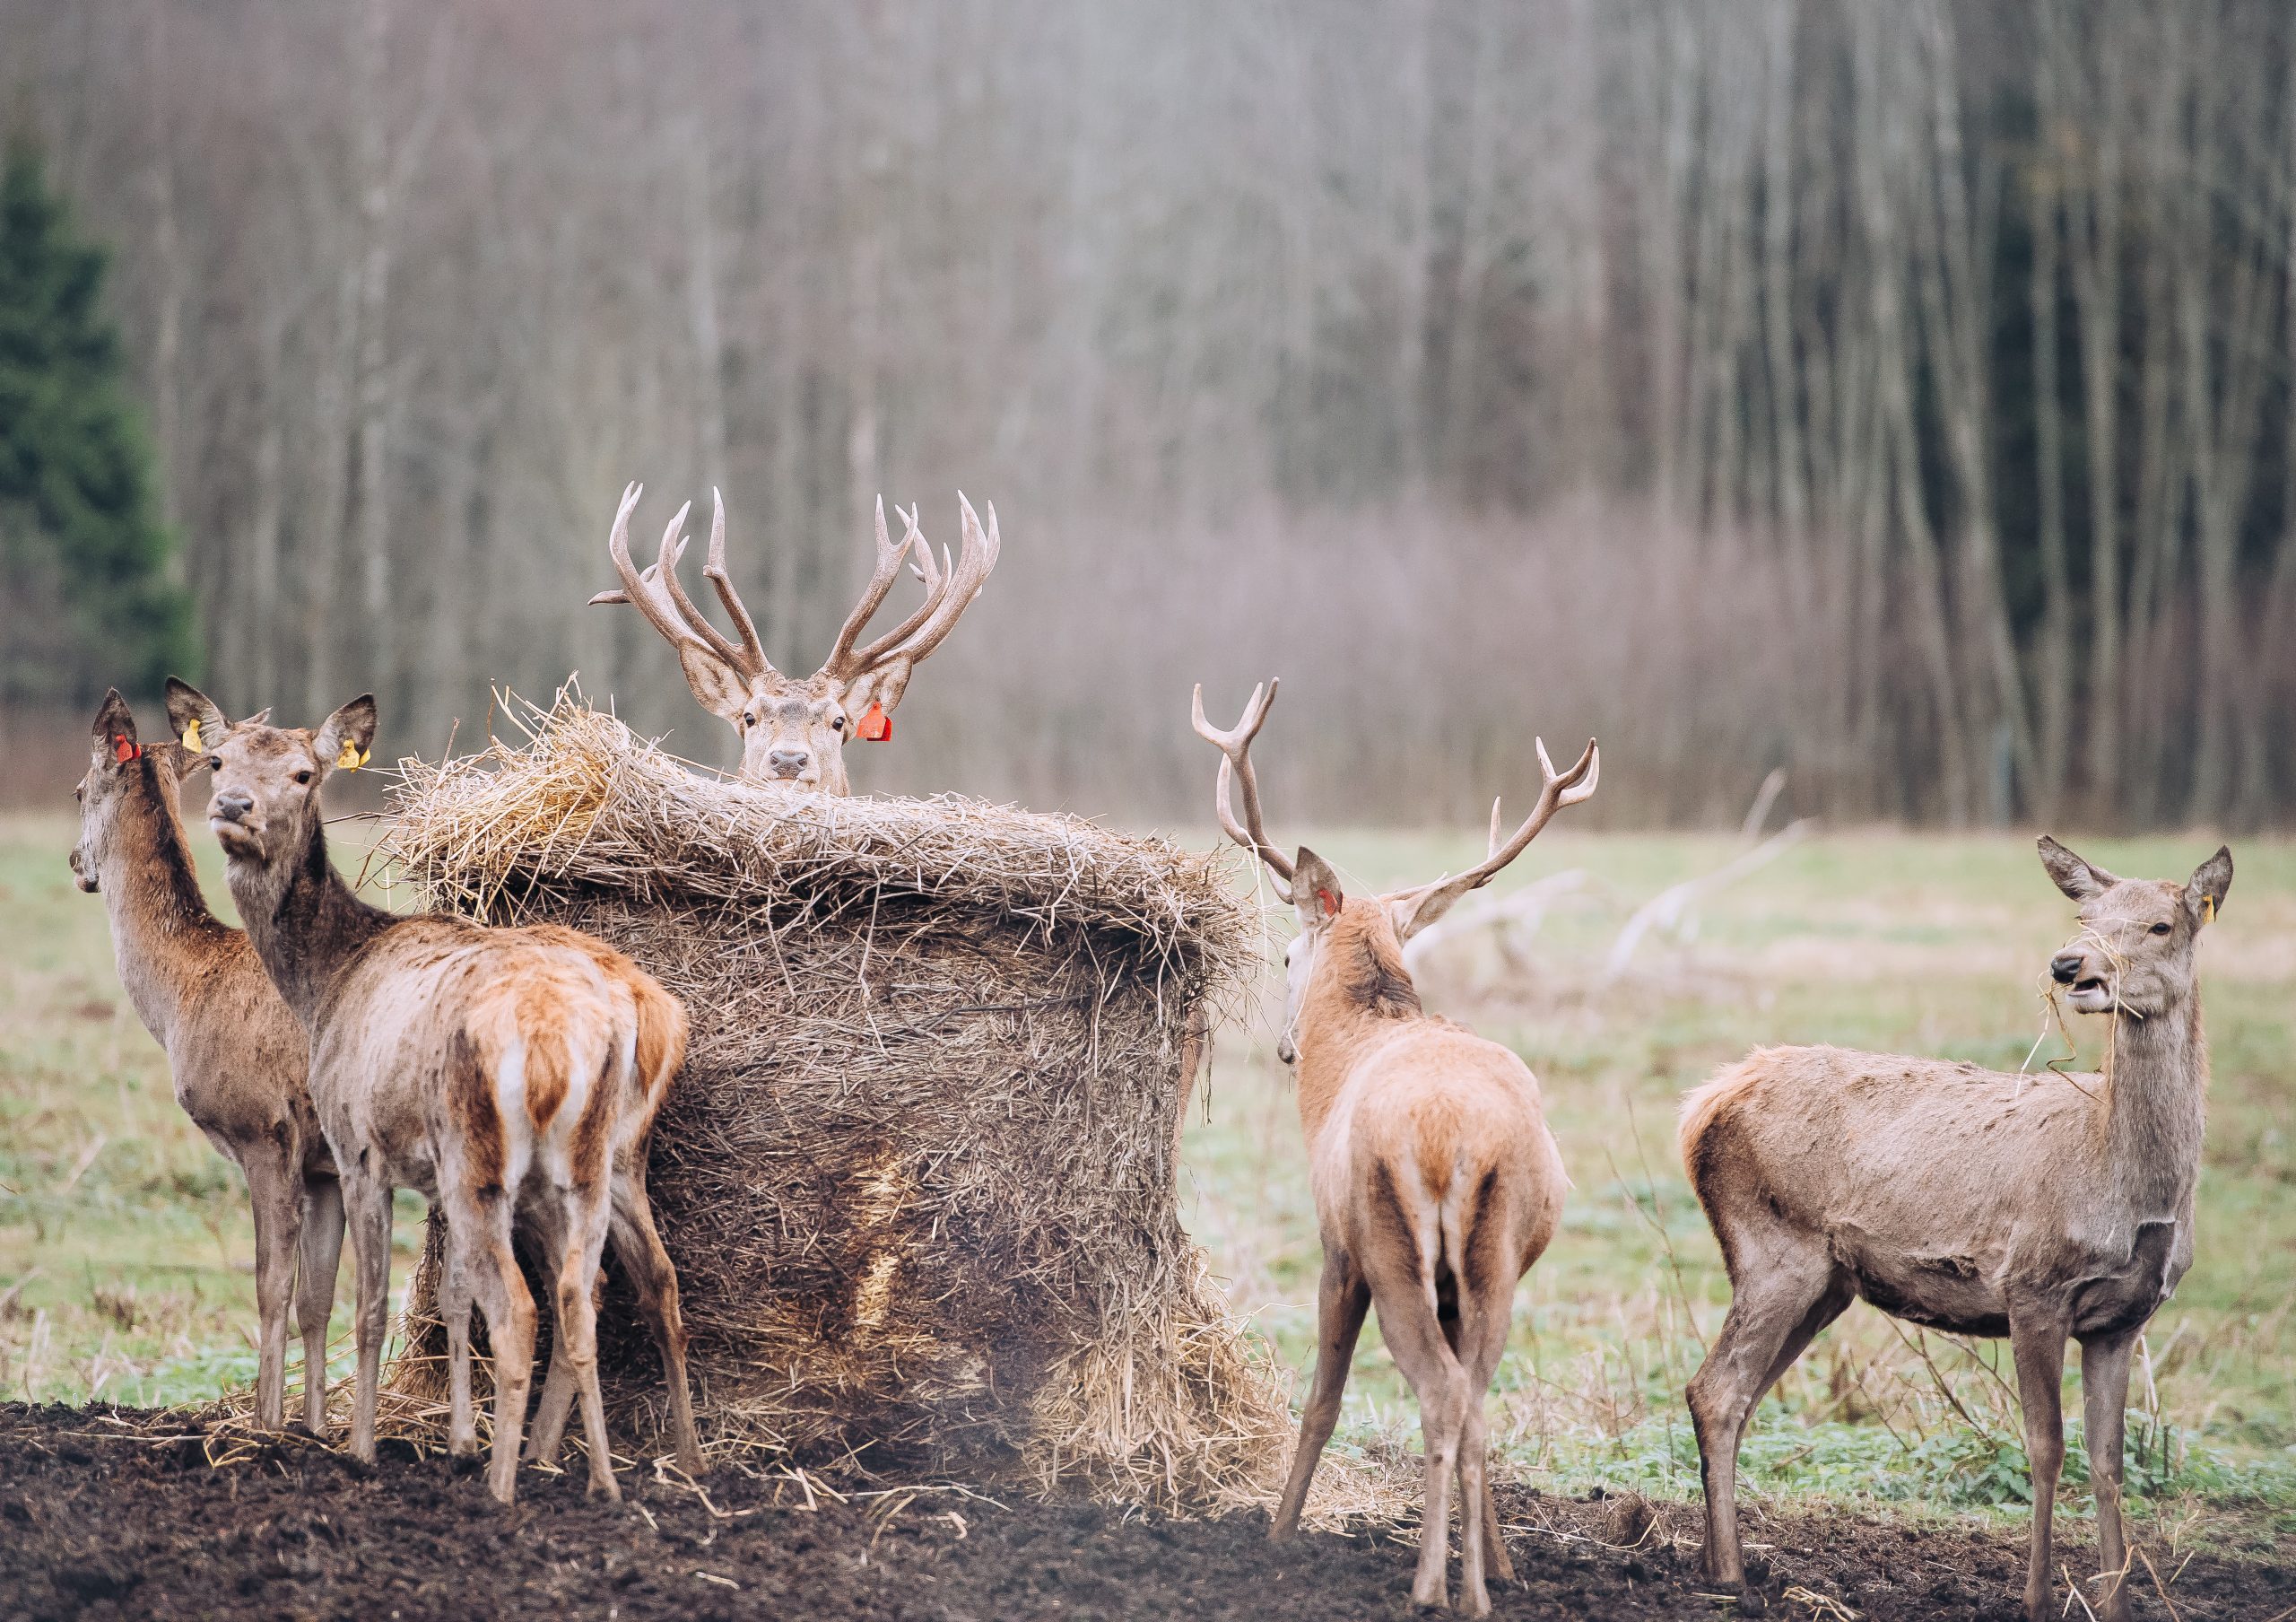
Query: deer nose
(787, 762)
(2065, 966)
(232, 805)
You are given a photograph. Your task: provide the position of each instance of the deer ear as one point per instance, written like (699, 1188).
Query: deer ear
(345, 742)
(1315, 890)
(2210, 881)
(2080, 880)
(194, 715)
(714, 684)
(111, 741)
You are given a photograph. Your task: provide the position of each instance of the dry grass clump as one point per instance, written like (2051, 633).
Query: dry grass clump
(918, 1174)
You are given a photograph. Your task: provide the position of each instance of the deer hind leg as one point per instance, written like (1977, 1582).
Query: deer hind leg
(454, 1311)
(1415, 1336)
(1788, 1288)
(271, 1195)
(573, 1246)
(367, 1204)
(319, 1254)
(2038, 1345)
(2104, 1397)
(510, 1308)
(1340, 1300)
(647, 1263)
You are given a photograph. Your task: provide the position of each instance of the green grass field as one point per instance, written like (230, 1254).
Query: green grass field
(126, 1255)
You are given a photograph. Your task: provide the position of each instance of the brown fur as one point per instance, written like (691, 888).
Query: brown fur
(2042, 1207)
(486, 1068)
(236, 1055)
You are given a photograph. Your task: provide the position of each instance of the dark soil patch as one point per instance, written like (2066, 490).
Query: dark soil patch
(98, 1521)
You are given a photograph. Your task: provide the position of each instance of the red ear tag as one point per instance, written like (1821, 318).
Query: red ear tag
(1330, 902)
(123, 751)
(874, 724)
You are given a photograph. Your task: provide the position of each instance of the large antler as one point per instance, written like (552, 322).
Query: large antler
(1236, 767)
(1413, 909)
(656, 593)
(950, 588)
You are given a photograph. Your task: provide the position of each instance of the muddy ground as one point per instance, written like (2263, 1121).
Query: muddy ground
(99, 1519)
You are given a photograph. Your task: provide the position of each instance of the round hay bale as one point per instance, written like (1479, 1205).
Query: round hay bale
(918, 1174)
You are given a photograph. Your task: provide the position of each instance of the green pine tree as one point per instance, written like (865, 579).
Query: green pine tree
(86, 600)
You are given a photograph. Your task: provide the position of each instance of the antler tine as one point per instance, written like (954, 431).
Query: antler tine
(715, 640)
(946, 598)
(641, 588)
(1422, 905)
(840, 660)
(1236, 770)
(934, 573)
(714, 572)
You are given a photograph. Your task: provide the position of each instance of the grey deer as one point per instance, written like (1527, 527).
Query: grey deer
(2039, 1207)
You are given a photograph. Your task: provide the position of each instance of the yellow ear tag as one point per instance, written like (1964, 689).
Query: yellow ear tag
(191, 738)
(351, 758)
(2208, 909)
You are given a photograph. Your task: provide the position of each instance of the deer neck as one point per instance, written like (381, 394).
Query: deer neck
(163, 936)
(304, 922)
(2156, 1086)
(1357, 999)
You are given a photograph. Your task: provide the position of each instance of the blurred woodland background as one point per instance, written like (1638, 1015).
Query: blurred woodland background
(1897, 393)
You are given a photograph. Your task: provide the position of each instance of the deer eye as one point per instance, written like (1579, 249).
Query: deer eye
(837, 724)
(2160, 929)
(303, 776)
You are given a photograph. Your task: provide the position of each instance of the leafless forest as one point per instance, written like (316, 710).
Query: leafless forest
(1897, 393)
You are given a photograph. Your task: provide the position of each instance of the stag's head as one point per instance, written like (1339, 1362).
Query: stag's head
(793, 729)
(2134, 951)
(1361, 944)
(265, 810)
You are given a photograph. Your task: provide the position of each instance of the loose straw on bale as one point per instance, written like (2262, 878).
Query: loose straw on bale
(919, 1174)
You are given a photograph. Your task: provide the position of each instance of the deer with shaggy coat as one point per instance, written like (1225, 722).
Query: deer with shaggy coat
(1437, 1184)
(2039, 1207)
(487, 1067)
(237, 1054)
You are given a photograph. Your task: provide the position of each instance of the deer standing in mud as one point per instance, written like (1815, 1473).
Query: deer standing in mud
(2041, 1207)
(487, 1067)
(237, 1054)
(795, 730)
(1437, 1184)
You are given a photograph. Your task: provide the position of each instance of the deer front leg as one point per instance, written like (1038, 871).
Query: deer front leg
(2104, 1397)
(2038, 1345)
(272, 1194)
(1340, 1300)
(319, 1254)
(367, 1203)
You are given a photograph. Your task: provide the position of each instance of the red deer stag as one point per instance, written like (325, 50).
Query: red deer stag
(1437, 1184)
(489, 1068)
(794, 731)
(237, 1054)
(2043, 1209)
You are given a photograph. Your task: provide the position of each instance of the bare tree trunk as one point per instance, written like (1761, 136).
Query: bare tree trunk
(2054, 699)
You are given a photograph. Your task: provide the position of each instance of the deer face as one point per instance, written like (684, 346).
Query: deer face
(1317, 898)
(265, 809)
(2134, 951)
(115, 768)
(792, 732)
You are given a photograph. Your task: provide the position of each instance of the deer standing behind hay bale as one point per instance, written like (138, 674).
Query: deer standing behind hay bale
(1437, 1182)
(2041, 1208)
(794, 730)
(918, 1175)
(486, 1068)
(236, 1055)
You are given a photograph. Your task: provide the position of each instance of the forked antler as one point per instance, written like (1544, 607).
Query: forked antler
(1236, 767)
(656, 592)
(1414, 908)
(950, 587)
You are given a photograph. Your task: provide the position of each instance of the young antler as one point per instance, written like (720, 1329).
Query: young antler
(1415, 909)
(1235, 746)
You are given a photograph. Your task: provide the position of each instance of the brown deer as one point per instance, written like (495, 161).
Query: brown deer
(794, 731)
(487, 1067)
(1437, 1184)
(2040, 1208)
(237, 1054)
